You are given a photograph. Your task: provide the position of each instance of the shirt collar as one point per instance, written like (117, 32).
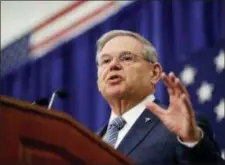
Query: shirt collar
(132, 114)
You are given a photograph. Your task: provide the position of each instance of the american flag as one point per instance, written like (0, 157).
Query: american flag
(11, 60)
(66, 24)
(203, 74)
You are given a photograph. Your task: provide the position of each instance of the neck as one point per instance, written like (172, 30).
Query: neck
(121, 105)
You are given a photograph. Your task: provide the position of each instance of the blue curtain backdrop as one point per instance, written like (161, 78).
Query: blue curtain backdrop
(184, 33)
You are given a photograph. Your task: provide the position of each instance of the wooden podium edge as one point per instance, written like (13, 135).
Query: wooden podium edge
(66, 119)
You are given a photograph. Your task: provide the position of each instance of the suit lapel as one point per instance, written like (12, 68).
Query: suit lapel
(139, 130)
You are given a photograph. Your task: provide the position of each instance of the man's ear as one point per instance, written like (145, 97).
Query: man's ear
(98, 85)
(156, 71)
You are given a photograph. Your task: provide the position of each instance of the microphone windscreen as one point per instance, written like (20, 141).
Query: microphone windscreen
(43, 101)
(61, 93)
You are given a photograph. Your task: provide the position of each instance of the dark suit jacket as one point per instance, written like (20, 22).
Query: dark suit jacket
(152, 143)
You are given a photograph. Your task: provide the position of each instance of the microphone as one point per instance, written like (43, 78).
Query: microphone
(62, 94)
(42, 102)
(45, 102)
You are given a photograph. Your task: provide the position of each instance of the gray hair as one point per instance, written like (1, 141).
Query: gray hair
(149, 51)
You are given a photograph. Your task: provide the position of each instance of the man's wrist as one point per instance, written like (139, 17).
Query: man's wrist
(192, 143)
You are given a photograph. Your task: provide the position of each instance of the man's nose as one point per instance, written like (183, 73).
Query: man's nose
(115, 65)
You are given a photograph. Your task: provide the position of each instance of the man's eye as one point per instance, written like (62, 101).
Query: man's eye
(106, 61)
(126, 58)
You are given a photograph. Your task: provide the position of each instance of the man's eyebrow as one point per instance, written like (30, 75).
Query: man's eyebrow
(107, 54)
(125, 51)
(104, 54)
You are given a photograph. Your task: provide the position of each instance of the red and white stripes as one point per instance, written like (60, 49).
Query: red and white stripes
(78, 17)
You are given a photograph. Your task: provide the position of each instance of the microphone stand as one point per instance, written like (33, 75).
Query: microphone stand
(45, 102)
(60, 93)
(51, 101)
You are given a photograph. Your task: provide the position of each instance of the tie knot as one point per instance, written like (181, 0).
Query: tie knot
(118, 122)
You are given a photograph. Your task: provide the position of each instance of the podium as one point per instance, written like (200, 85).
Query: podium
(31, 134)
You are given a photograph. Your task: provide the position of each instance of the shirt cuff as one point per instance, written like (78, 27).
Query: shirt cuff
(191, 144)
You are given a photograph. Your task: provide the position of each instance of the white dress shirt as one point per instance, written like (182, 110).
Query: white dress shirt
(131, 117)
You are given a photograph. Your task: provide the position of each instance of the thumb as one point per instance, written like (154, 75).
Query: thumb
(155, 109)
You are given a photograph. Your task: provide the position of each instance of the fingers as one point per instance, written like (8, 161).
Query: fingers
(181, 87)
(168, 82)
(155, 109)
(187, 103)
(174, 85)
(177, 89)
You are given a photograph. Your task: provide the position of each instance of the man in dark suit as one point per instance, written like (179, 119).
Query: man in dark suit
(141, 128)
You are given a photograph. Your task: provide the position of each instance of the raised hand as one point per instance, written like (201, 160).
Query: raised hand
(179, 118)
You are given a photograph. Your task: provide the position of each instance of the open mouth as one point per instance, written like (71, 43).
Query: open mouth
(114, 79)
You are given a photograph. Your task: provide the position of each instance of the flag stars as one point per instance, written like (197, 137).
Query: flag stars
(187, 75)
(205, 92)
(223, 154)
(219, 61)
(219, 110)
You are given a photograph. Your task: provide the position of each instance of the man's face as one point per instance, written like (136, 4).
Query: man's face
(119, 77)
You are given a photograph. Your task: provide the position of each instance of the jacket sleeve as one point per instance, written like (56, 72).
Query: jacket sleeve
(207, 151)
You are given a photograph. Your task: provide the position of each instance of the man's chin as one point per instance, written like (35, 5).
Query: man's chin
(115, 92)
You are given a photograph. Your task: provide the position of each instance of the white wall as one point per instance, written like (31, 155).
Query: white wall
(18, 17)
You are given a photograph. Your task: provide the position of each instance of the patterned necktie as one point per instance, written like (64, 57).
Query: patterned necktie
(113, 130)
